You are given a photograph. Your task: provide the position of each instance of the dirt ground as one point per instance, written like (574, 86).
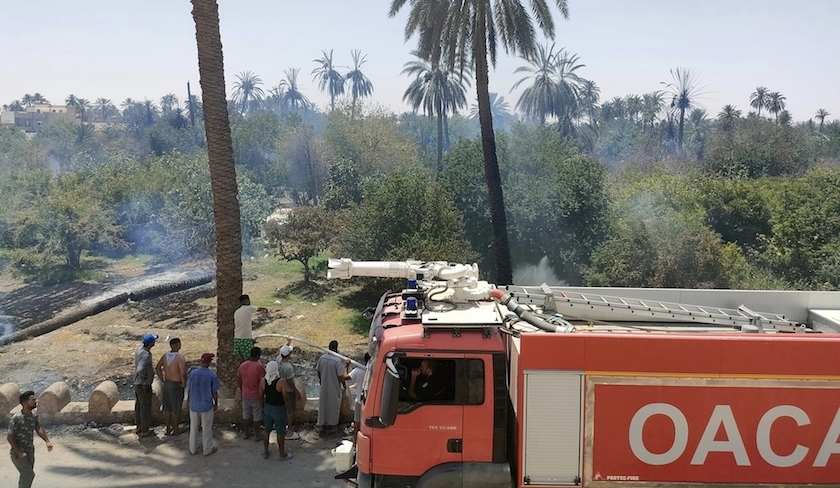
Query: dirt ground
(101, 347)
(114, 457)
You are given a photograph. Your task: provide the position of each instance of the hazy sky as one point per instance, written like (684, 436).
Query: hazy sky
(146, 48)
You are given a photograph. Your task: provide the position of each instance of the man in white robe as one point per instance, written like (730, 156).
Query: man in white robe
(331, 376)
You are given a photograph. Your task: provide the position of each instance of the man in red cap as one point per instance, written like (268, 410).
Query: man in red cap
(203, 400)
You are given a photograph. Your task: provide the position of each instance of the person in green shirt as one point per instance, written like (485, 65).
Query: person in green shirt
(21, 437)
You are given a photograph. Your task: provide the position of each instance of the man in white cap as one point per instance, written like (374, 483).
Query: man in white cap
(287, 374)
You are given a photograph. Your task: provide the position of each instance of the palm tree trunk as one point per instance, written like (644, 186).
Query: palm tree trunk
(504, 273)
(447, 142)
(223, 182)
(682, 128)
(439, 139)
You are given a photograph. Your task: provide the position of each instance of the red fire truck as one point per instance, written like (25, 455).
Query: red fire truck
(473, 385)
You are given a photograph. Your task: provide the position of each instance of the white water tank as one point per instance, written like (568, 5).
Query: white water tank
(343, 456)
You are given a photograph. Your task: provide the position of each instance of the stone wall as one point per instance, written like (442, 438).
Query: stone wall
(55, 406)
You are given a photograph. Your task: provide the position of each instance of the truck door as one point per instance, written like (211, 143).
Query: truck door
(552, 437)
(479, 404)
(425, 433)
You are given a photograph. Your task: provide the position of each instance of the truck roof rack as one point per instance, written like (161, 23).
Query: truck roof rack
(583, 306)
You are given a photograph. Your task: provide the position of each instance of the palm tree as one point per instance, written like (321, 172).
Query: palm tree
(699, 130)
(634, 105)
(151, 111)
(168, 102)
(590, 95)
(276, 98)
(651, 106)
(728, 116)
(685, 91)
(17, 106)
(438, 91)
(822, 114)
(470, 30)
(775, 103)
(499, 110)
(541, 98)
(617, 108)
(103, 105)
(758, 99)
(27, 100)
(126, 104)
(226, 212)
(194, 108)
(71, 101)
(292, 95)
(360, 85)
(246, 89)
(568, 84)
(329, 79)
(38, 98)
(784, 118)
(84, 107)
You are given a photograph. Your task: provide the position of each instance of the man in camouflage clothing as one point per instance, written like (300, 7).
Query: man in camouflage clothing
(21, 437)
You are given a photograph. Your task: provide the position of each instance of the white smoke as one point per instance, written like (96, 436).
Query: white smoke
(529, 274)
(6, 327)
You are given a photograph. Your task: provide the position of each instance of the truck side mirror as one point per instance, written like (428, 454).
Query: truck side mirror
(390, 398)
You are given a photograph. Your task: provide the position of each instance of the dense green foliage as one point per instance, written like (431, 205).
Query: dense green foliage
(600, 190)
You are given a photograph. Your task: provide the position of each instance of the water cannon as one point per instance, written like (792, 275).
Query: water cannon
(460, 280)
(344, 269)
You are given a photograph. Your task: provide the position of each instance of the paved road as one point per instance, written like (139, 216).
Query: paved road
(114, 457)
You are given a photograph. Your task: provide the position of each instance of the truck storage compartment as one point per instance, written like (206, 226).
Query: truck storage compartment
(552, 428)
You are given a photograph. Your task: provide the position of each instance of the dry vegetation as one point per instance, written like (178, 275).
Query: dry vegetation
(101, 347)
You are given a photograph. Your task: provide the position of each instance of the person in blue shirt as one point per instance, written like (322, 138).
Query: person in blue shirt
(203, 400)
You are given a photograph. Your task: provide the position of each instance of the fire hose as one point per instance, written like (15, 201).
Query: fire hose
(304, 341)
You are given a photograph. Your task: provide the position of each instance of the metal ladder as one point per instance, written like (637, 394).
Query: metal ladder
(580, 306)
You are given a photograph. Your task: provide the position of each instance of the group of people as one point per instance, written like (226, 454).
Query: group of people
(333, 373)
(201, 385)
(269, 398)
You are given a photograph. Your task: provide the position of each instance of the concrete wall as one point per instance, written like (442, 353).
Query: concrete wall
(55, 406)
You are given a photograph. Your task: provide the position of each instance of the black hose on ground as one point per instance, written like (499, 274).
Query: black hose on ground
(76, 314)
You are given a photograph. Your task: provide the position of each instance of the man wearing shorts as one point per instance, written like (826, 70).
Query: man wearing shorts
(248, 377)
(287, 376)
(242, 338)
(172, 370)
(275, 397)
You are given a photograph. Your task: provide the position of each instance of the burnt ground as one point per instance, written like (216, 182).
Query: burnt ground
(101, 347)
